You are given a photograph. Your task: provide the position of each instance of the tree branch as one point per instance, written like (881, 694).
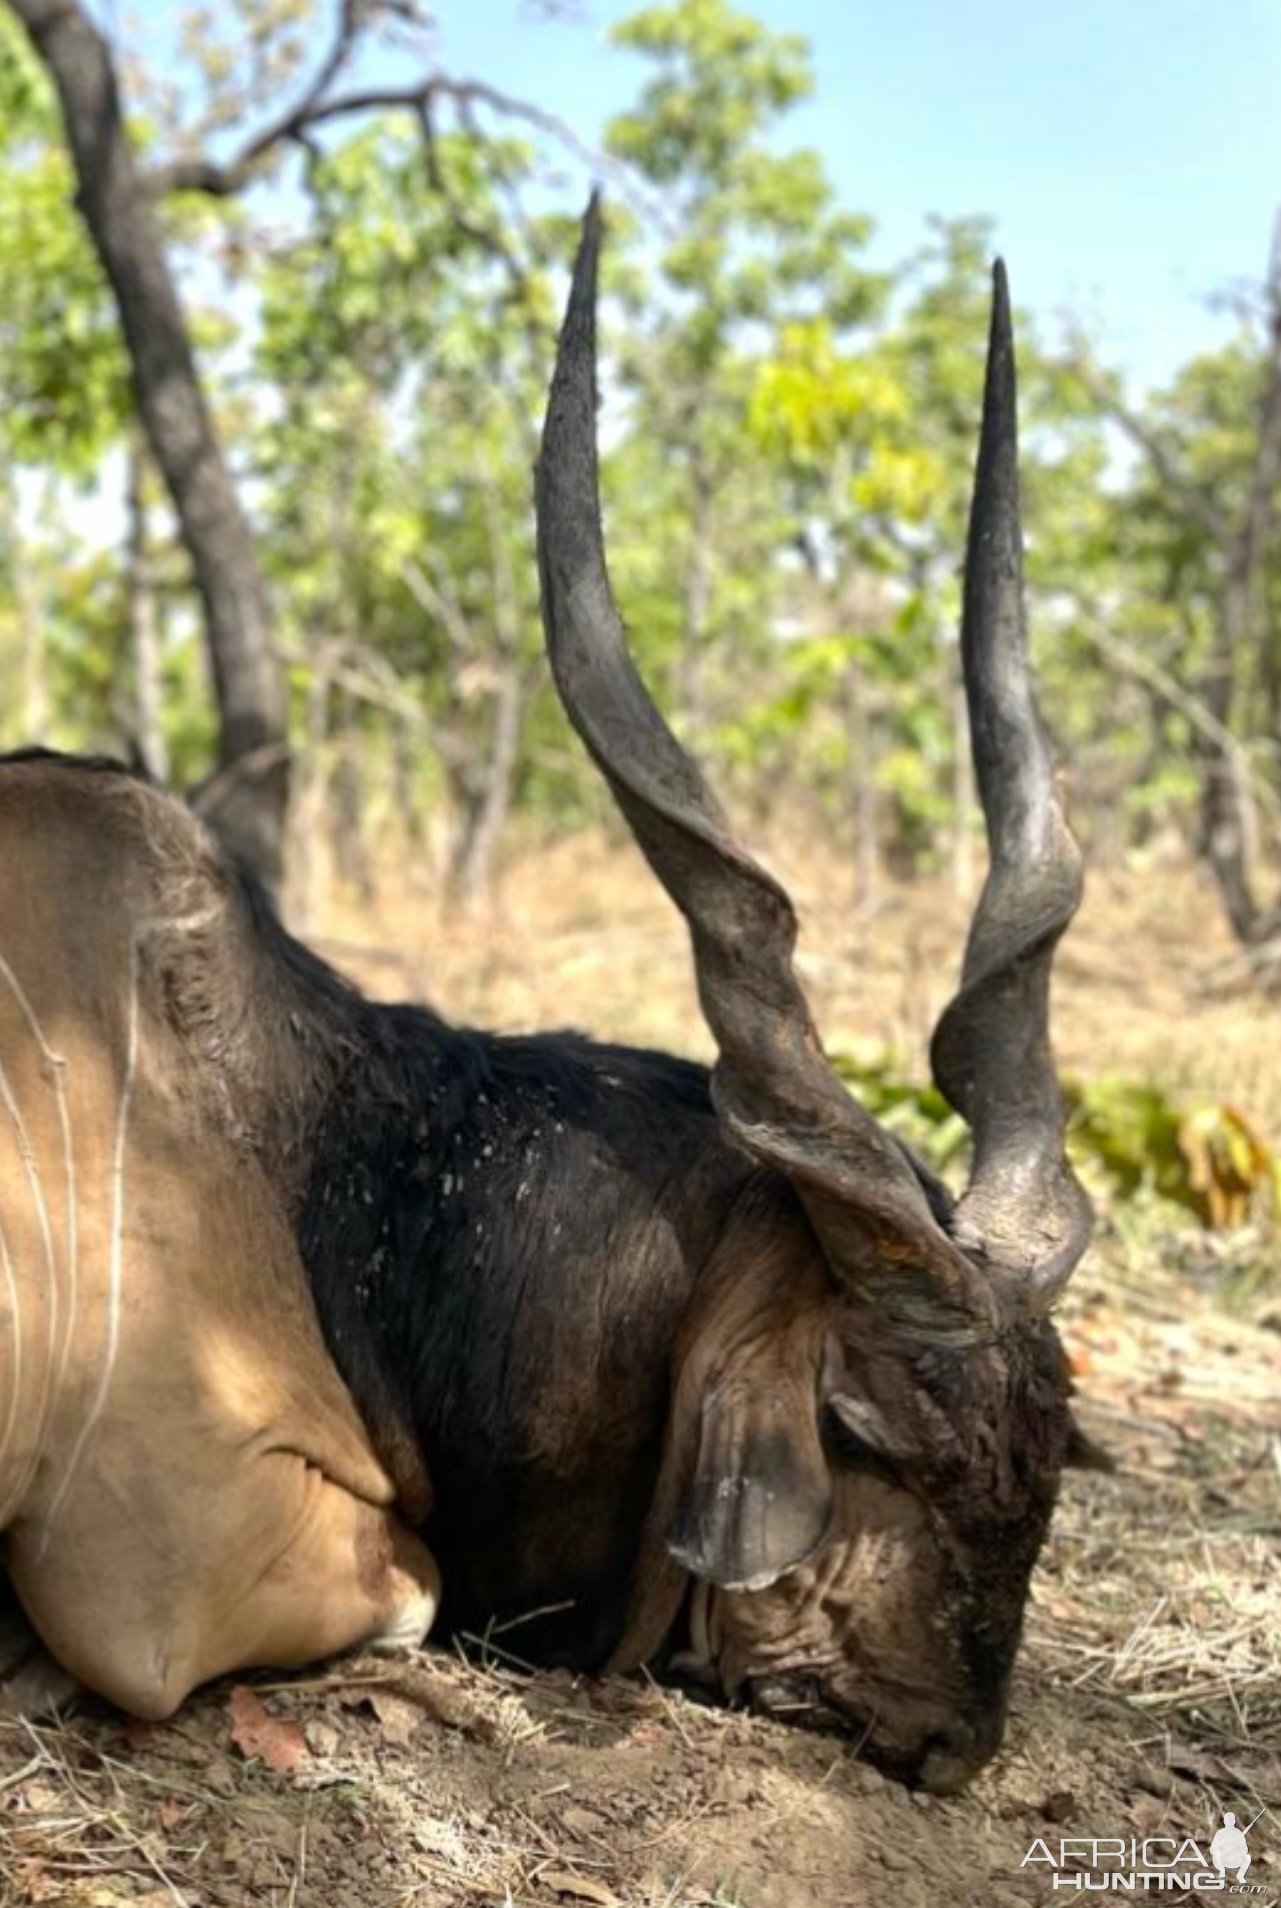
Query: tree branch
(1197, 507)
(223, 179)
(1200, 717)
(202, 174)
(438, 598)
(370, 679)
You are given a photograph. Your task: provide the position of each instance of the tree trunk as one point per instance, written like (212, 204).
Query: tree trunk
(486, 812)
(1225, 814)
(489, 792)
(1224, 845)
(347, 810)
(1270, 677)
(247, 799)
(699, 580)
(1224, 823)
(310, 790)
(962, 782)
(863, 795)
(404, 781)
(144, 628)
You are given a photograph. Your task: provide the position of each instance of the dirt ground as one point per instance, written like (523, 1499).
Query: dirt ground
(1148, 1700)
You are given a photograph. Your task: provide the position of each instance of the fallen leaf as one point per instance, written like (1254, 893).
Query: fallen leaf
(397, 1717)
(275, 1741)
(36, 1884)
(322, 1739)
(41, 1796)
(433, 1696)
(582, 1821)
(579, 1887)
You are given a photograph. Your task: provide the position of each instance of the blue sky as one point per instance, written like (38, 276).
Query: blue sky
(1129, 150)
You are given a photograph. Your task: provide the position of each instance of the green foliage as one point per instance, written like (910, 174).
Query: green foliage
(722, 77)
(919, 1115)
(1206, 1158)
(1131, 1135)
(1130, 1128)
(788, 440)
(386, 275)
(63, 373)
(752, 240)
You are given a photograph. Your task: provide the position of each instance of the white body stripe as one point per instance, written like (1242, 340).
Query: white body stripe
(11, 1422)
(115, 1258)
(57, 1066)
(31, 1168)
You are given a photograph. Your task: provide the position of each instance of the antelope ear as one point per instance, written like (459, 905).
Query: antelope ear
(760, 1499)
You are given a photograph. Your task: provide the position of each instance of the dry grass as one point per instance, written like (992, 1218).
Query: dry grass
(1163, 1592)
(1149, 1699)
(579, 933)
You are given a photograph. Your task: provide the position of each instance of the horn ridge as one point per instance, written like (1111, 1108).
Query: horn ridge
(1023, 1209)
(772, 1086)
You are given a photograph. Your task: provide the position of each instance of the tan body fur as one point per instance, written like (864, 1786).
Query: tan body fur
(185, 1485)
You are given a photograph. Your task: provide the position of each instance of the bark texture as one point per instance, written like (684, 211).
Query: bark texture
(246, 800)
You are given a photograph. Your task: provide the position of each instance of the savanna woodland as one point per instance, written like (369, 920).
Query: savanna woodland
(279, 302)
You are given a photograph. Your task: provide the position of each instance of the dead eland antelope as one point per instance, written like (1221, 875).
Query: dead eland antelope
(708, 1372)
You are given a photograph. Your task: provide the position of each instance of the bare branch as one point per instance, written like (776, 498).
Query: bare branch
(364, 687)
(223, 179)
(369, 678)
(503, 581)
(202, 174)
(1136, 663)
(298, 127)
(1197, 507)
(439, 599)
(486, 237)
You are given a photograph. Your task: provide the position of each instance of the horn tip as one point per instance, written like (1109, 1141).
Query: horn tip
(591, 226)
(1002, 323)
(587, 261)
